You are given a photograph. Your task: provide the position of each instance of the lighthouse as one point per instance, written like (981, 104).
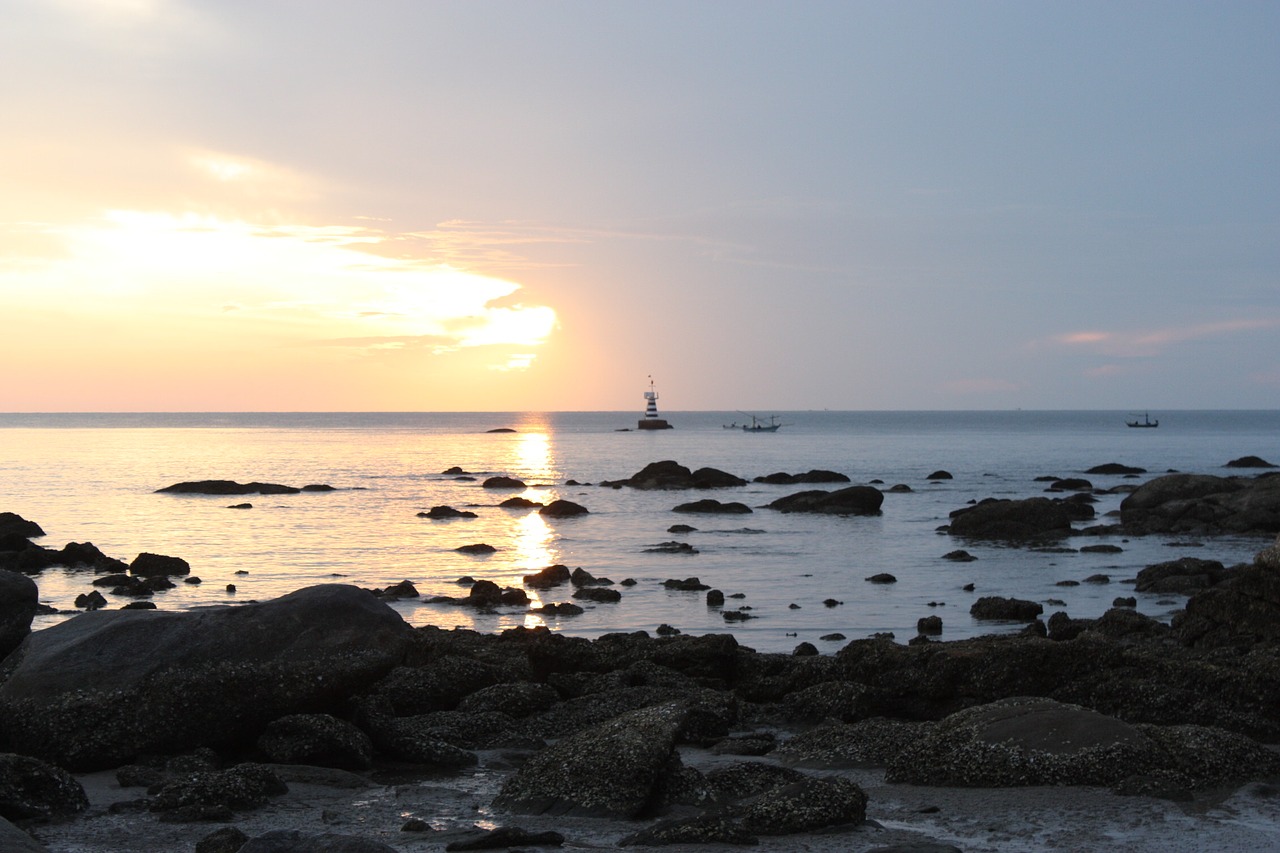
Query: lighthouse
(651, 419)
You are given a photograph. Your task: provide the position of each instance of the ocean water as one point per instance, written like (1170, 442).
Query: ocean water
(93, 477)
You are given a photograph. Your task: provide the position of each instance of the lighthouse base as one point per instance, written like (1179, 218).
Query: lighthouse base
(653, 423)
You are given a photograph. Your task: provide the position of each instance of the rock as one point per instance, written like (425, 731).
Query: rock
(996, 607)
(227, 487)
(562, 509)
(229, 839)
(14, 840)
(240, 788)
(1028, 741)
(931, 625)
(12, 524)
(1070, 484)
(715, 598)
(712, 506)
(813, 476)
(520, 503)
(1249, 462)
(318, 739)
(611, 770)
(940, 475)
(669, 474)
(98, 690)
(296, 841)
(1115, 468)
(1125, 601)
(503, 483)
(854, 500)
(31, 790)
(19, 600)
(804, 650)
(516, 699)
(503, 837)
(1201, 504)
(151, 565)
(548, 577)
(1029, 519)
(447, 512)
(1186, 575)
(672, 548)
(1240, 612)
(681, 528)
(882, 578)
(960, 556)
(686, 585)
(595, 593)
(805, 806)
(404, 589)
(476, 548)
(91, 601)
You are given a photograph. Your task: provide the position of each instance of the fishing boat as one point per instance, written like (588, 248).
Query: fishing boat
(758, 424)
(651, 419)
(1145, 423)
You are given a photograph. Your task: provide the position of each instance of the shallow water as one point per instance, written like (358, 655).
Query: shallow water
(94, 478)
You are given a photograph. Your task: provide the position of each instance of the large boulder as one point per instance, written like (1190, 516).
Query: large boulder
(669, 474)
(1185, 575)
(12, 524)
(97, 690)
(854, 500)
(19, 598)
(1240, 612)
(30, 789)
(999, 608)
(318, 739)
(1201, 504)
(227, 487)
(1029, 519)
(612, 770)
(1028, 741)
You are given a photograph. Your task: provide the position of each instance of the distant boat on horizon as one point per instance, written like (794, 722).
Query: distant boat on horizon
(757, 424)
(1145, 423)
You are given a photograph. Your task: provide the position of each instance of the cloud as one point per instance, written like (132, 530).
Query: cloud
(1140, 343)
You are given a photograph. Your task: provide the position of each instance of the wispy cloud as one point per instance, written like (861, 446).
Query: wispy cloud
(1140, 343)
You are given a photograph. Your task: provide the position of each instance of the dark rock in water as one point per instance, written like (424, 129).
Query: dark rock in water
(1070, 484)
(562, 509)
(940, 475)
(710, 505)
(455, 471)
(316, 739)
(814, 476)
(1029, 519)
(318, 487)
(612, 770)
(715, 598)
(1101, 549)
(1010, 609)
(665, 630)
(1239, 612)
(548, 577)
(228, 487)
(900, 489)
(503, 483)
(30, 790)
(140, 605)
(681, 528)
(804, 650)
(960, 556)
(476, 548)
(241, 506)
(854, 500)
(686, 585)
(91, 601)
(1202, 504)
(564, 608)
(296, 841)
(147, 565)
(404, 589)
(12, 524)
(1128, 601)
(503, 837)
(582, 577)
(672, 475)
(1098, 579)
(1249, 462)
(1186, 575)
(882, 577)
(596, 593)
(1115, 468)
(931, 625)
(447, 512)
(520, 503)
(500, 429)
(212, 677)
(736, 616)
(672, 548)
(19, 600)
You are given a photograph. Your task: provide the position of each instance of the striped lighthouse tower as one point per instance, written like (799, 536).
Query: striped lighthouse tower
(651, 419)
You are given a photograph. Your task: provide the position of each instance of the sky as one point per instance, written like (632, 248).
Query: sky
(483, 205)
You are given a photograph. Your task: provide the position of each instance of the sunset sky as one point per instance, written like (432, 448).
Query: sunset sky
(403, 205)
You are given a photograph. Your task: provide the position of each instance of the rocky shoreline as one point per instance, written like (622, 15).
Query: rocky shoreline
(321, 721)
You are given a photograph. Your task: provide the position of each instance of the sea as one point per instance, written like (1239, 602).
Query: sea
(801, 578)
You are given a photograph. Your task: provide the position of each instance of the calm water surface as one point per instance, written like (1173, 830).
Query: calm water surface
(94, 477)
